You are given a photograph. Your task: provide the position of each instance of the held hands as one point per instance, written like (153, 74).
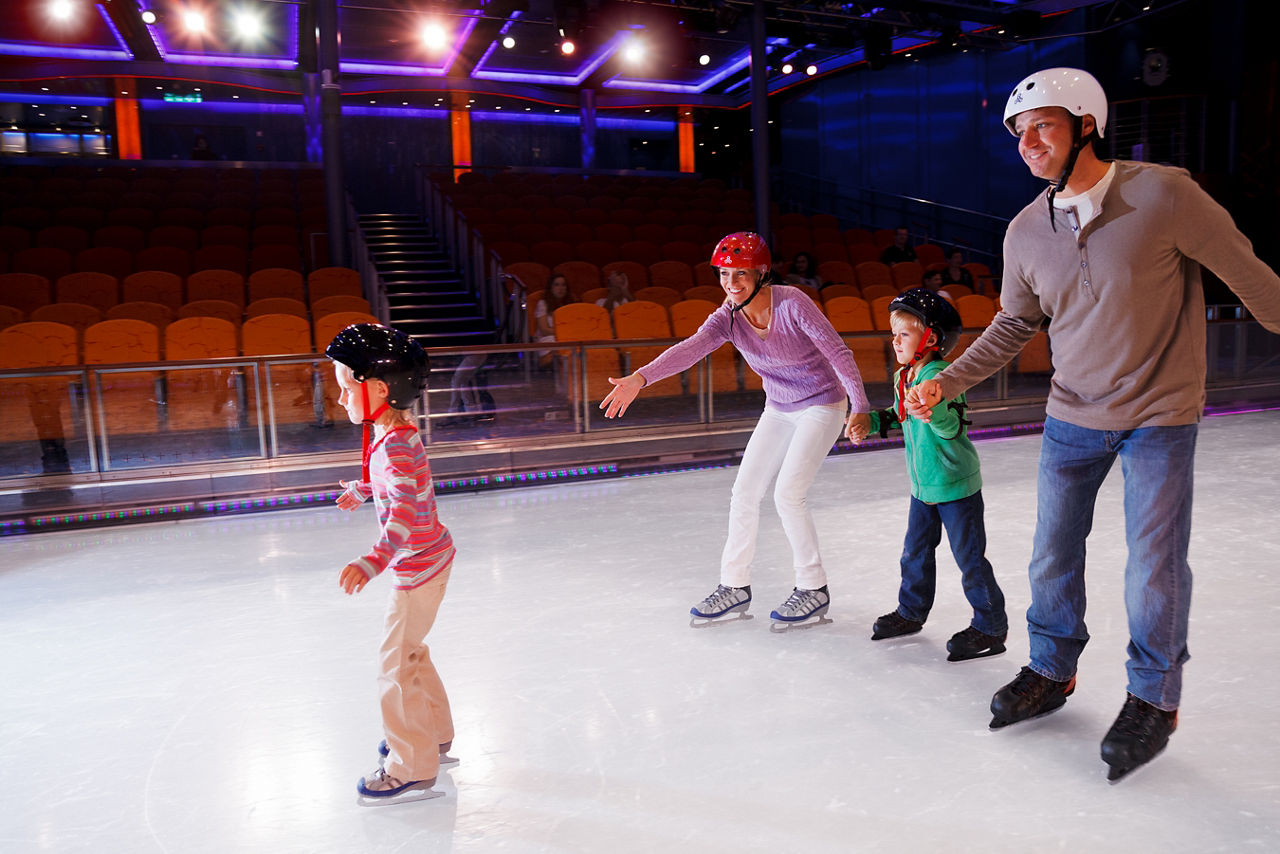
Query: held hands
(624, 391)
(352, 579)
(857, 426)
(922, 398)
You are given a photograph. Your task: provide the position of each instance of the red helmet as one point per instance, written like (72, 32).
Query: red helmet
(740, 250)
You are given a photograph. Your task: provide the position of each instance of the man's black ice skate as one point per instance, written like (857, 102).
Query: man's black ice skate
(1029, 695)
(973, 643)
(803, 609)
(1137, 736)
(725, 604)
(894, 625)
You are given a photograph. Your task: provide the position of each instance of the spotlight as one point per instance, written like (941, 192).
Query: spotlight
(634, 50)
(433, 36)
(248, 25)
(787, 68)
(567, 47)
(149, 17)
(193, 21)
(62, 10)
(508, 42)
(811, 70)
(704, 60)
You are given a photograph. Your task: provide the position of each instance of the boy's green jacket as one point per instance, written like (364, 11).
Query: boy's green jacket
(941, 461)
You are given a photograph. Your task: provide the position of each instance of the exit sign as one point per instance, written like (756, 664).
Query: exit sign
(195, 98)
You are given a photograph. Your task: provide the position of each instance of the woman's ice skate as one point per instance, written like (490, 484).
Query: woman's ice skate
(381, 788)
(803, 609)
(724, 605)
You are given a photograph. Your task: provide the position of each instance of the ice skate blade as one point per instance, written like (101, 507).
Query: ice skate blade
(731, 617)
(405, 797)
(779, 627)
(997, 723)
(984, 654)
(446, 759)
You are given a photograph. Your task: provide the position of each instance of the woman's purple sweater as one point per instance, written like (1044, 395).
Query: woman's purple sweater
(802, 360)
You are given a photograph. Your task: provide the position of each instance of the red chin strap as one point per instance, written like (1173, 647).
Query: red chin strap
(924, 350)
(367, 423)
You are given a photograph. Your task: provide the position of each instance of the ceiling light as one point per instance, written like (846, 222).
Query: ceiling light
(248, 24)
(811, 70)
(193, 21)
(433, 37)
(704, 60)
(634, 51)
(508, 42)
(148, 16)
(567, 47)
(61, 10)
(787, 68)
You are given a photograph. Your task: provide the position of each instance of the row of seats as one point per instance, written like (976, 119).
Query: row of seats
(680, 276)
(643, 319)
(42, 344)
(72, 238)
(53, 263)
(81, 316)
(87, 213)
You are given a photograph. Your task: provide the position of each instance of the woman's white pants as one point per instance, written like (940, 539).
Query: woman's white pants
(791, 445)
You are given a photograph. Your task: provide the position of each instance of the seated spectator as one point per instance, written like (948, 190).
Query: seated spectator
(932, 279)
(803, 271)
(955, 274)
(544, 313)
(619, 291)
(899, 251)
(201, 150)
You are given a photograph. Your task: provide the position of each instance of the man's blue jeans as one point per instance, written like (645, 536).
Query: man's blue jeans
(1157, 463)
(968, 537)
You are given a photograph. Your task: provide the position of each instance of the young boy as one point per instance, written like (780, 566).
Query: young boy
(946, 486)
(381, 372)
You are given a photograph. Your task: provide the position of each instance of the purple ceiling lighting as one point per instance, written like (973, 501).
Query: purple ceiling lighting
(459, 39)
(55, 51)
(284, 60)
(606, 51)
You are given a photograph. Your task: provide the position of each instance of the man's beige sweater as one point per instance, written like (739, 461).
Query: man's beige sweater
(1124, 300)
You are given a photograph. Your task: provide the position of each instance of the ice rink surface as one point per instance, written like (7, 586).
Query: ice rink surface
(204, 686)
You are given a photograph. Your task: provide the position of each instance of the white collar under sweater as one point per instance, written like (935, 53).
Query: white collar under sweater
(1089, 203)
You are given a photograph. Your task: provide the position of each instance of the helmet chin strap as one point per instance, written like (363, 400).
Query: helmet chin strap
(1077, 144)
(367, 429)
(740, 306)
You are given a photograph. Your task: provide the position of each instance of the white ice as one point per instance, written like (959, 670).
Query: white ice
(204, 686)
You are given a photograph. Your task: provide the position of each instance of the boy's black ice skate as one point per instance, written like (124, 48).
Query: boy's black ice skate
(974, 643)
(803, 608)
(1137, 736)
(724, 605)
(1029, 695)
(894, 625)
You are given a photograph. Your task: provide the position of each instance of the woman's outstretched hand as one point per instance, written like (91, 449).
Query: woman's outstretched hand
(624, 391)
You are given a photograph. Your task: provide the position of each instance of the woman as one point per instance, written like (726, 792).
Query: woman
(809, 379)
(619, 291)
(557, 294)
(803, 271)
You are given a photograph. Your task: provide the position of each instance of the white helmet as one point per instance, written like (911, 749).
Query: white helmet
(1074, 90)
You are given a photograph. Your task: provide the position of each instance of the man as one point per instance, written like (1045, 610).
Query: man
(898, 251)
(1111, 256)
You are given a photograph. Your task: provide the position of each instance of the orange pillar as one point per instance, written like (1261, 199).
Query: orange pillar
(460, 132)
(128, 125)
(684, 138)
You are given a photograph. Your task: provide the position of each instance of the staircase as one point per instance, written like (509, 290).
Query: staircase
(425, 295)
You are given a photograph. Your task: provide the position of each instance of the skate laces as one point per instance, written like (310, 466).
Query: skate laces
(1134, 720)
(799, 600)
(722, 595)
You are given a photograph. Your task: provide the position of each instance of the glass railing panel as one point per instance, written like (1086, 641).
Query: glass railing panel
(212, 413)
(300, 405)
(43, 424)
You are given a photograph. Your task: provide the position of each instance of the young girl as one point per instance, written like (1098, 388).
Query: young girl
(544, 312)
(381, 372)
(809, 379)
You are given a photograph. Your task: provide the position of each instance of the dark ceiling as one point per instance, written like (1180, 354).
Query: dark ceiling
(629, 52)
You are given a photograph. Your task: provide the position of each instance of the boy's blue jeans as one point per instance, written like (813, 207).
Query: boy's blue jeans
(1157, 463)
(967, 535)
